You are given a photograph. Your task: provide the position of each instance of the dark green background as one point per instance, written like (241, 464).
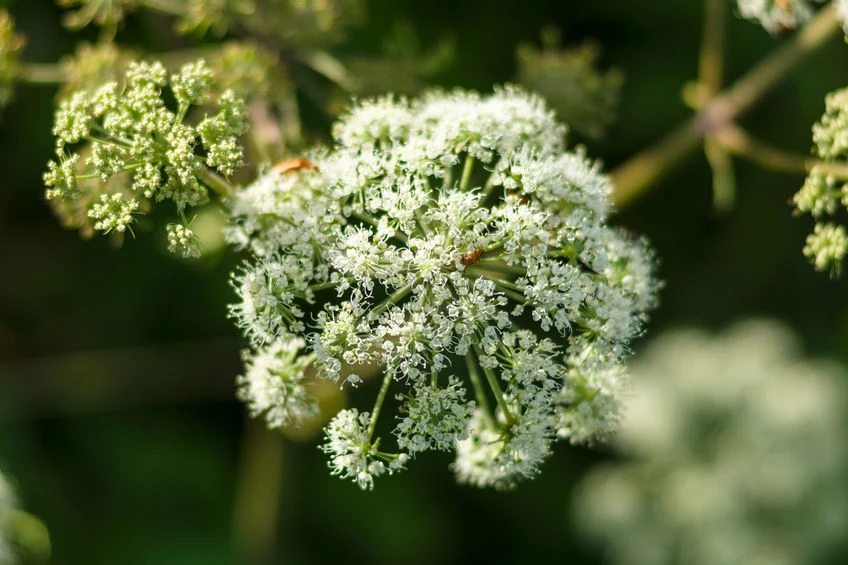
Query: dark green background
(117, 411)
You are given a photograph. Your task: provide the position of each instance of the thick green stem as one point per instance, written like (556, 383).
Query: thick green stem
(633, 177)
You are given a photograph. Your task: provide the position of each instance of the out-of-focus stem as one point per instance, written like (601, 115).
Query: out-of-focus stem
(633, 177)
(710, 77)
(738, 142)
(333, 69)
(216, 182)
(41, 73)
(257, 498)
(711, 62)
(265, 132)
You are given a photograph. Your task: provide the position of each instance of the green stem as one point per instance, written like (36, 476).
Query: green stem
(41, 73)
(642, 171)
(422, 224)
(372, 221)
(467, 168)
(710, 73)
(290, 125)
(395, 297)
(165, 7)
(711, 62)
(488, 189)
(738, 142)
(479, 393)
(381, 396)
(326, 285)
(216, 182)
(498, 264)
(331, 68)
(724, 180)
(260, 479)
(496, 390)
(505, 287)
(498, 281)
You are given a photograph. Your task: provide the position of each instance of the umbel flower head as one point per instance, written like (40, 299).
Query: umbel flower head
(736, 454)
(453, 244)
(122, 146)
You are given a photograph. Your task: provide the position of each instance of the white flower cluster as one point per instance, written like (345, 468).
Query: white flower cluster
(825, 192)
(778, 15)
(352, 453)
(736, 455)
(274, 384)
(441, 239)
(842, 14)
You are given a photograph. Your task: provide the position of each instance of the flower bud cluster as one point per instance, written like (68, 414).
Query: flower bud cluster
(454, 243)
(735, 454)
(825, 190)
(120, 147)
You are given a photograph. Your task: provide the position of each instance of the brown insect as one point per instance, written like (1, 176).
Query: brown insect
(471, 257)
(293, 165)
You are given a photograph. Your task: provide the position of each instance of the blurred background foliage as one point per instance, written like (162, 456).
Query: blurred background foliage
(118, 418)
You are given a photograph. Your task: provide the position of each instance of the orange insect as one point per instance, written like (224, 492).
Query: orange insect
(293, 165)
(471, 257)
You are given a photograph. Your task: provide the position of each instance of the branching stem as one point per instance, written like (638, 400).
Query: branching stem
(740, 143)
(635, 176)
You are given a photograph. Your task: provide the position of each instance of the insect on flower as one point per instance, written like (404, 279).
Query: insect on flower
(293, 165)
(471, 257)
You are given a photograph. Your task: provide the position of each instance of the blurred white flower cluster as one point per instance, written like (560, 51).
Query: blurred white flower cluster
(778, 15)
(737, 455)
(23, 537)
(453, 244)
